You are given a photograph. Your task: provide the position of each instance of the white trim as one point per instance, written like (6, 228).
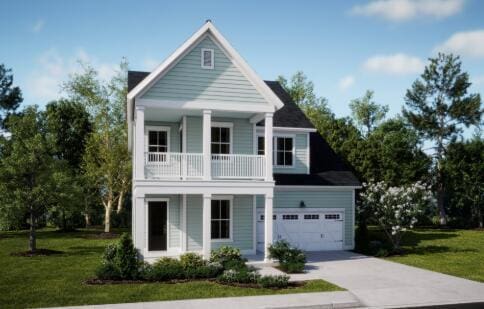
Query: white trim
(229, 198)
(315, 188)
(147, 220)
(205, 104)
(289, 129)
(228, 125)
(308, 154)
(353, 206)
(184, 223)
(184, 134)
(274, 150)
(254, 223)
(158, 129)
(212, 58)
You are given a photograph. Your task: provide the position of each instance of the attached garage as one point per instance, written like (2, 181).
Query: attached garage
(313, 220)
(310, 230)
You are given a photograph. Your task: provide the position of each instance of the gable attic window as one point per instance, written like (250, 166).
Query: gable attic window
(207, 59)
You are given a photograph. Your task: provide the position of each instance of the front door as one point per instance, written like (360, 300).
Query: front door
(157, 226)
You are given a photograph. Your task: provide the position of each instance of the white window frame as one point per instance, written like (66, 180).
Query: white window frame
(202, 63)
(158, 129)
(229, 198)
(228, 125)
(274, 145)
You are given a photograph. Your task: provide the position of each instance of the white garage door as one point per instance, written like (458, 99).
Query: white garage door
(309, 230)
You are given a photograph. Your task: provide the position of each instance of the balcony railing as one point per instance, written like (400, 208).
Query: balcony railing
(160, 165)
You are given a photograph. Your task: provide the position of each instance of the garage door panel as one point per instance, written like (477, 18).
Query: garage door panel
(317, 230)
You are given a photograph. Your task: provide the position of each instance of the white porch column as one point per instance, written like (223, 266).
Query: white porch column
(207, 205)
(184, 223)
(206, 140)
(139, 147)
(140, 222)
(268, 145)
(267, 226)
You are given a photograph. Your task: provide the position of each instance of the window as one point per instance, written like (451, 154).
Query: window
(331, 217)
(283, 151)
(207, 58)
(274, 217)
(220, 219)
(260, 145)
(290, 217)
(157, 143)
(221, 140)
(311, 217)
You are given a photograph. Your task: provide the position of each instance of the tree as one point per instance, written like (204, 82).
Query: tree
(395, 208)
(106, 161)
(26, 183)
(463, 168)
(438, 106)
(10, 97)
(367, 113)
(301, 91)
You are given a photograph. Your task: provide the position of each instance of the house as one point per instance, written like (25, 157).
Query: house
(221, 157)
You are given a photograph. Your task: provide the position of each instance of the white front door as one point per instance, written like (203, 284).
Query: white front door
(308, 229)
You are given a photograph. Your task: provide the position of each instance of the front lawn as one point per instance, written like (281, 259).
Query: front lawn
(57, 280)
(455, 252)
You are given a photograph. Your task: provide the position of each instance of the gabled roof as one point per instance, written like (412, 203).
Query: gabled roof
(290, 115)
(207, 29)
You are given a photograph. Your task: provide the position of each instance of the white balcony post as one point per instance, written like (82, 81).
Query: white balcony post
(206, 225)
(139, 147)
(267, 226)
(206, 140)
(268, 145)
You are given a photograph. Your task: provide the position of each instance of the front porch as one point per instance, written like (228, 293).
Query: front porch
(170, 224)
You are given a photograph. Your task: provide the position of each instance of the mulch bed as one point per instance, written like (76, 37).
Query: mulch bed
(38, 252)
(96, 281)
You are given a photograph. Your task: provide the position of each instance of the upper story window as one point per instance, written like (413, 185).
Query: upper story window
(283, 150)
(221, 138)
(157, 143)
(207, 58)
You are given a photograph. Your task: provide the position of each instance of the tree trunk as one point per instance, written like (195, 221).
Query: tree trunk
(107, 216)
(441, 195)
(87, 219)
(120, 202)
(32, 236)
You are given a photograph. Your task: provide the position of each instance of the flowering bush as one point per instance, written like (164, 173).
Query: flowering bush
(395, 208)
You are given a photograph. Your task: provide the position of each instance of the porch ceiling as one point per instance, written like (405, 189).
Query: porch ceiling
(175, 115)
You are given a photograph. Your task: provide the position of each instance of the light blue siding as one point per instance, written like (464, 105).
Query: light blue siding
(174, 230)
(187, 80)
(242, 223)
(301, 157)
(174, 133)
(242, 134)
(318, 199)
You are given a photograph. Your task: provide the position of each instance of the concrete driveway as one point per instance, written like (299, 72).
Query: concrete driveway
(379, 283)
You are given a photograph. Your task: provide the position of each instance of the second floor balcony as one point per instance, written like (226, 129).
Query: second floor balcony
(176, 165)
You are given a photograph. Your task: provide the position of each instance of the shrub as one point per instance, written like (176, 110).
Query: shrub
(246, 276)
(278, 281)
(165, 269)
(119, 261)
(192, 260)
(210, 270)
(291, 260)
(229, 257)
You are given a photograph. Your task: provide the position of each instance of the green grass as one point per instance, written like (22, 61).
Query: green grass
(454, 252)
(57, 280)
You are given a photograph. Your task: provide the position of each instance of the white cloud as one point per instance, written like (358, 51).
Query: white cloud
(38, 26)
(149, 64)
(346, 82)
(404, 10)
(43, 83)
(396, 64)
(467, 43)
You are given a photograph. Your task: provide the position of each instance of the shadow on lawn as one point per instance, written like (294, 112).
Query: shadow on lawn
(413, 239)
(423, 250)
(85, 250)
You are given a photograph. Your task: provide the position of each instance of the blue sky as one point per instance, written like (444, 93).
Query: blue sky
(345, 47)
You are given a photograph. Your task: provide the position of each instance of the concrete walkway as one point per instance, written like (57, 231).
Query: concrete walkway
(327, 300)
(382, 284)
